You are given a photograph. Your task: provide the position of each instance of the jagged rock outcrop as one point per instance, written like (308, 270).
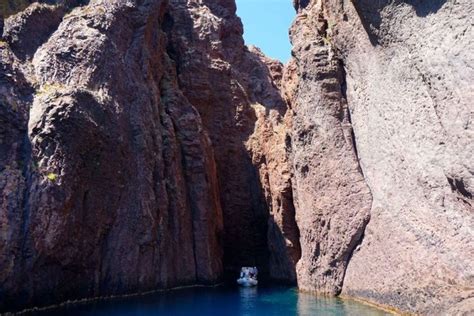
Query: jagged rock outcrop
(332, 200)
(118, 192)
(144, 146)
(404, 69)
(30, 28)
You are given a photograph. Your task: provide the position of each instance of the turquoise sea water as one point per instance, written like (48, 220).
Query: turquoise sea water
(226, 301)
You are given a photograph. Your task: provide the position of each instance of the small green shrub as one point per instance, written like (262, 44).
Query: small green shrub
(49, 88)
(52, 176)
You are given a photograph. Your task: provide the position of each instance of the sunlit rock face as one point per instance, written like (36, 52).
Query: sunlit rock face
(144, 146)
(332, 200)
(406, 79)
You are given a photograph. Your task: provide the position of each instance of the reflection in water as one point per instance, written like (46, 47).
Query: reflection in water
(248, 300)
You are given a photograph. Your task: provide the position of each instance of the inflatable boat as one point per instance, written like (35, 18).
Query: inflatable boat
(247, 281)
(248, 276)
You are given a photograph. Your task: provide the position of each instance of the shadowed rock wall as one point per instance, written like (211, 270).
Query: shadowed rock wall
(136, 152)
(110, 185)
(241, 108)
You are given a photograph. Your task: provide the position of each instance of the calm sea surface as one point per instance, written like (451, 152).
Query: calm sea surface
(226, 301)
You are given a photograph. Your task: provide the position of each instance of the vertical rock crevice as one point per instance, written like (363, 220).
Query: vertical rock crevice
(235, 91)
(346, 120)
(149, 171)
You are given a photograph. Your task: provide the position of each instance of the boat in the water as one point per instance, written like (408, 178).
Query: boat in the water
(247, 281)
(248, 276)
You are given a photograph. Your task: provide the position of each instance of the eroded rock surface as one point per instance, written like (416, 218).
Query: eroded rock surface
(144, 146)
(30, 28)
(119, 191)
(409, 76)
(242, 109)
(332, 200)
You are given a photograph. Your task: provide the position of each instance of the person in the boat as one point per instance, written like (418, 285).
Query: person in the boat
(253, 272)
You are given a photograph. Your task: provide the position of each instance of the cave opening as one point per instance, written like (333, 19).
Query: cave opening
(253, 237)
(266, 24)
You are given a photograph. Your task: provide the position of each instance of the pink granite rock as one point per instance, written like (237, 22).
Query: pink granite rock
(144, 146)
(407, 86)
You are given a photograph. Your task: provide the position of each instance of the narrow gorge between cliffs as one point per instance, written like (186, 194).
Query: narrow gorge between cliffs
(144, 146)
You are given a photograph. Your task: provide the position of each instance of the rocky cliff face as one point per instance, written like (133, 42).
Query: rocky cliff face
(332, 199)
(131, 151)
(237, 96)
(144, 146)
(403, 70)
(110, 185)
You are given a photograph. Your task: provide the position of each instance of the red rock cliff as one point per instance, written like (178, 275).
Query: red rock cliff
(144, 146)
(108, 178)
(237, 96)
(385, 85)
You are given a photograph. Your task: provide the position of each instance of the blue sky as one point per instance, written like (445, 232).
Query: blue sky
(266, 24)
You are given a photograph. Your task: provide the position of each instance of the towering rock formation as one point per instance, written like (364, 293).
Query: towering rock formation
(332, 200)
(130, 128)
(144, 146)
(243, 112)
(404, 69)
(110, 186)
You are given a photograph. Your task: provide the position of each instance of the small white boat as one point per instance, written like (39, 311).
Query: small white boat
(247, 281)
(248, 276)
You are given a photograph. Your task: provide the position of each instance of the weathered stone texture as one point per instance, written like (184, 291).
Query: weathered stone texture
(30, 28)
(235, 93)
(139, 152)
(144, 146)
(332, 200)
(409, 77)
(119, 192)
